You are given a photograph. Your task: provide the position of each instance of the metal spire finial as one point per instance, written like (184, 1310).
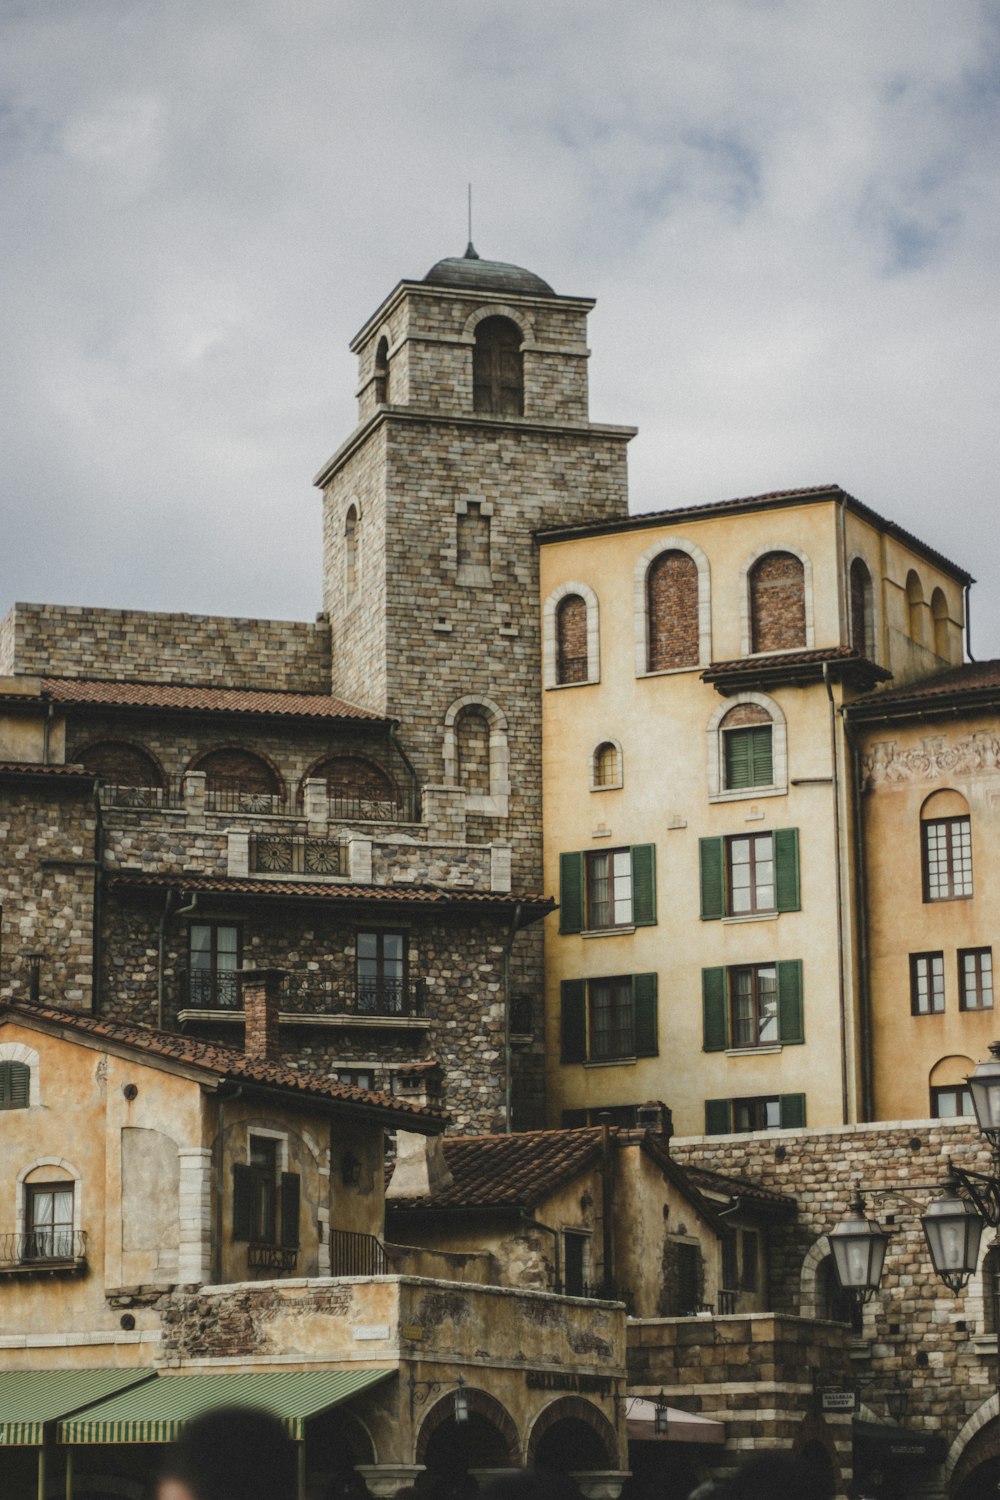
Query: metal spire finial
(470, 250)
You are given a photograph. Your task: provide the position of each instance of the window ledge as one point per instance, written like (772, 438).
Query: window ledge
(748, 794)
(754, 1051)
(985, 1344)
(610, 1062)
(695, 666)
(559, 687)
(609, 786)
(602, 932)
(752, 916)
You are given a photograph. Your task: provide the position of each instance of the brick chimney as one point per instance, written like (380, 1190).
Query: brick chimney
(260, 1009)
(421, 1169)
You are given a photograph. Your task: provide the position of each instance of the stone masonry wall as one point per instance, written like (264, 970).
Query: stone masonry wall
(460, 958)
(47, 892)
(199, 650)
(916, 1333)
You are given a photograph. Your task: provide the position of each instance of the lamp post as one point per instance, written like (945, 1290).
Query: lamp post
(953, 1222)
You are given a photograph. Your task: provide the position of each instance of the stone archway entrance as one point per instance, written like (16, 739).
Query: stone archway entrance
(451, 1450)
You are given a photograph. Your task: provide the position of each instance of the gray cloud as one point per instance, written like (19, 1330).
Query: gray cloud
(788, 212)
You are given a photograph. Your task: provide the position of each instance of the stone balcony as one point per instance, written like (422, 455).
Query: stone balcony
(525, 1361)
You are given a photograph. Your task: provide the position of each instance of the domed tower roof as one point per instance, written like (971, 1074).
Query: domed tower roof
(474, 275)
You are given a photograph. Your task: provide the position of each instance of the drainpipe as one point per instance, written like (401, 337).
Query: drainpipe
(508, 945)
(98, 913)
(968, 625)
(842, 997)
(607, 1208)
(181, 911)
(861, 924)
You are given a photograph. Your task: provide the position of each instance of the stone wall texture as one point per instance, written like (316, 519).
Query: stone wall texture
(55, 640)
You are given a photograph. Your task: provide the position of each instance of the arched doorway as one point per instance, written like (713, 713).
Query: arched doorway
(572, 1436)
(452, 1450)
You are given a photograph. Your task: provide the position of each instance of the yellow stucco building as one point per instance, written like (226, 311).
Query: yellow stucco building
(700, 818)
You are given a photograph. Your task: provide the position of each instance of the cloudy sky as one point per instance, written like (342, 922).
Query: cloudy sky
(788, 210)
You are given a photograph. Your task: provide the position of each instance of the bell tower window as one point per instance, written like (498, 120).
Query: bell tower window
(498, 368)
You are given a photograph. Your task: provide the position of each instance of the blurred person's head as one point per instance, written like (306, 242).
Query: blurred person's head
(775, 1476)
(232, 1453)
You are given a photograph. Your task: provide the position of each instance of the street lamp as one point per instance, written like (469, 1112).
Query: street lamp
(953, 1229)
(858, 1246)
(953, 1223)
(661, 1416)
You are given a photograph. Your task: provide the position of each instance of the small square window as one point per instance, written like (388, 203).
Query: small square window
(756, 1114)
(926, 984)
(975, 979)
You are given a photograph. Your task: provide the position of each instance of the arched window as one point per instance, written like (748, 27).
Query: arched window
(351, 549)
(672, 612)
(777, 603)
(120, 764)
(239, 780)
(914, 607)
(946, 846)
(606, 766)
(382, 372)
(357, 787)
(950, 1095)
(571, 639)
(498, 368)
(747, 748)
(862, 609)
(939, 617)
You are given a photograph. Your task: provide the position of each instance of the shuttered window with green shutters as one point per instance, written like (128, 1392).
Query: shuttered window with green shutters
(606, 1020)
(749, 874)
(15, 1085)
(766, 1112)
(600, 890)
(752, 1005)
(747, 757)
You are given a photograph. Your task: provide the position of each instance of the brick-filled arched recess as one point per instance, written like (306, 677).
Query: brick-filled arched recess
(120, 763)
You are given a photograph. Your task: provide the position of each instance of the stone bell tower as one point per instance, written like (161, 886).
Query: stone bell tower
(473, 431)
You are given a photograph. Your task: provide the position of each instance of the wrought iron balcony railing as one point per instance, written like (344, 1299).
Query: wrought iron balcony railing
(201, 989)
(41, 1248)
(292, 854)
(271, 1257)
(356, 1254)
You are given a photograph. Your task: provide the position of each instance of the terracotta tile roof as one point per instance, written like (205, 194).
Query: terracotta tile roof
(817, 654)
(73, 690)
(308, 890)
(973, 678)
(509, 1171)
(224, 1062)
(767, 501)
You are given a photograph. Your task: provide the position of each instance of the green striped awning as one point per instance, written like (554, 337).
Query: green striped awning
(30, 1398)
(155, 1413)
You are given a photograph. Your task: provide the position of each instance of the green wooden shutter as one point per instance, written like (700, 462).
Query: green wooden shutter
(644, 885)
(645, 1013)
(792, 1109)
(713, 879)
(15, 1085)
(573, 1021)
(762, 764)
(243, 1185)
(713, 1010)
(736, 751)
(290, 1195)
(717, 1117)
(790, 1021)
(570, 892)
(786, 869)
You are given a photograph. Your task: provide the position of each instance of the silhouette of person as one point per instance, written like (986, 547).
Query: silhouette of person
(231, 1453)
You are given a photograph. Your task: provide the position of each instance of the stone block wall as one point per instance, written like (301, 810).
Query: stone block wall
(47, 892)
(142, 646)
(916, 1333)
